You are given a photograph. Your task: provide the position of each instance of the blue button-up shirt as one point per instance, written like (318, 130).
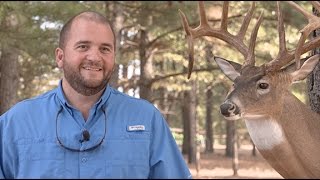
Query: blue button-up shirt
(136, 140)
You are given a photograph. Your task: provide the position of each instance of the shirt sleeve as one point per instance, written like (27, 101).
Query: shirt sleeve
(166, 159)
(5, 153)
(1, 171)
(1, 149)
(1, 174)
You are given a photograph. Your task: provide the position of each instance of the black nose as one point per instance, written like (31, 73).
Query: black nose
(229, 109)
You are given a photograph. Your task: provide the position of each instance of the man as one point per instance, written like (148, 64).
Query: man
(84, 128)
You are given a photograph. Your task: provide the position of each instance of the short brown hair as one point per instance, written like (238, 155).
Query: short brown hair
(89, 15)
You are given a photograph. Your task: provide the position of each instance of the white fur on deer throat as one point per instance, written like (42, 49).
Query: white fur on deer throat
(265, 133)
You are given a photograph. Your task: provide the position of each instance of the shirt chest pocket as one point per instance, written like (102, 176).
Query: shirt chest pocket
(40, 158)
(129, 156)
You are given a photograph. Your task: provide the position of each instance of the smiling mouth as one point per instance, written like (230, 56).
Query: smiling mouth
(89, 68)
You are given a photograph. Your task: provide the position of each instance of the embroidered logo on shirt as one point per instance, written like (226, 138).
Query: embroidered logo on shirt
(136, 128)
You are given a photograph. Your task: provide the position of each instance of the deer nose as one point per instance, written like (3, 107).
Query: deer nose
(229, 109)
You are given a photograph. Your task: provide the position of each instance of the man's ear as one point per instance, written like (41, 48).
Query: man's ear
(59, 57)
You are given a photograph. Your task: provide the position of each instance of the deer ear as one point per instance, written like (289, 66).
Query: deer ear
(229, 68)
(292, 67)
(306, 68)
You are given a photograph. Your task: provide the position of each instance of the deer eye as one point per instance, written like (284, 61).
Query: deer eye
(263, 85)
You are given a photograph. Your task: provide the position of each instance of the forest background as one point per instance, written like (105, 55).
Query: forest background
(152, 60)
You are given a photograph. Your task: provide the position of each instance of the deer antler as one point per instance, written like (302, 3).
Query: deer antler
(222, 33)
(284, 56)
(314, 23)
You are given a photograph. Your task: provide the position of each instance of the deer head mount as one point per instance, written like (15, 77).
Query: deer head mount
(286, 131)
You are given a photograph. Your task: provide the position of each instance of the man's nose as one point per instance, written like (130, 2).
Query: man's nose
(94, 55)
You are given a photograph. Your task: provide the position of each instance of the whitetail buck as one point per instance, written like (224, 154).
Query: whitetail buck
(285, 131)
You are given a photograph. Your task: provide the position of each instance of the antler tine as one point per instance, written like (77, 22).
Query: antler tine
(203, 16)
(193, 33)
(313, 23)
(222, 33)
(250, 60)
(246, 22)
(224, 16)
(189, 40)
(284, 56)
(316, 5)
(276, 64)
(281, 30)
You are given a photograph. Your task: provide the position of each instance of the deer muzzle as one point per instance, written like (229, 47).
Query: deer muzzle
(230, 110)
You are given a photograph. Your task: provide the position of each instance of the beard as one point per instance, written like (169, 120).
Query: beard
(84, 86)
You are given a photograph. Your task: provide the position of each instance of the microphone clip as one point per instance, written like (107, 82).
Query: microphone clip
(85, 136)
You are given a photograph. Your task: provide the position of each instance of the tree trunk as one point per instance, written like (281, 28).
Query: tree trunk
(194, 148)
(166, 103)
(125, 77)
(9, 81)
(209, 123)
(229, 141)
(313, 80)
(115, 11)
(235, 159)
(186, 122)
(115, 77)
(146, 68)
(209, 105)
(190, 95)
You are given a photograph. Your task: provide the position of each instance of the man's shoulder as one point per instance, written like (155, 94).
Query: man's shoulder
(130, 100)
(37, 99)
(134, 109)
(32, 103)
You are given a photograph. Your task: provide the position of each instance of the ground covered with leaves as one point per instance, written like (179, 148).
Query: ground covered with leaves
(217, 166)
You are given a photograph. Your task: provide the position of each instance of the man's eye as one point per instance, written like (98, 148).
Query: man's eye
(82, 47)
(106, 49)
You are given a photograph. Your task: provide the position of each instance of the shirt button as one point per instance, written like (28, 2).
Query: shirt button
(84, 160)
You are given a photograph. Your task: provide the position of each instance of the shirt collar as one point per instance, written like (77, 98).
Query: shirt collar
(60, 94)
(101, 102)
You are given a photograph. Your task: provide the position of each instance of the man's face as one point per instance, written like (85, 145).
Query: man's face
(88, 57)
